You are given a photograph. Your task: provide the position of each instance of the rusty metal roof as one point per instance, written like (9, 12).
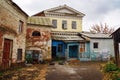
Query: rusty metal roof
(39, 21)
(67, 36)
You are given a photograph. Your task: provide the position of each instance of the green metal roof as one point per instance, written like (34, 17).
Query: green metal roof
(39, 21)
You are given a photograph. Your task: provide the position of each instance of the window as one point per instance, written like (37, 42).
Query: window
(54, 22)
(64, 24)
(73, 24)
(20, 30)
(82, 47)
(36, 33)
(19, 54)
(59, 47)
(95, 45)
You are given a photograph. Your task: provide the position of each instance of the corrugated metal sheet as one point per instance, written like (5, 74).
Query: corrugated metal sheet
(39, 21)
(67, 36)
(96, 35)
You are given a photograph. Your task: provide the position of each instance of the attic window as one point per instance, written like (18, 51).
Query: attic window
(36, 33)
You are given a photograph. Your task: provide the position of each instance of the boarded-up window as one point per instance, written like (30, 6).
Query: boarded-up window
(20, 30)
(19, 54)
(54, 22)
(74, 25)
(95, 45)
(64, 24)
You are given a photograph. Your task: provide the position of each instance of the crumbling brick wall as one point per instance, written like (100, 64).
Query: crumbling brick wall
(10, 15)
(42, 42)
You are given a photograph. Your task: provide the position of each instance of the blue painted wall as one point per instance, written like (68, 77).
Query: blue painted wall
(56, 43)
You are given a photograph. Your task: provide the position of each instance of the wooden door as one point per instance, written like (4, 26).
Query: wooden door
(6, 53)
(73, 51)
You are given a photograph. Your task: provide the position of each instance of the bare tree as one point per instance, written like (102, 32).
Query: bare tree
(100, 28)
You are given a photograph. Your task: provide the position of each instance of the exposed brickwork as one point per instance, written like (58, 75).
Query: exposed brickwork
(42, 42)
(11, 15)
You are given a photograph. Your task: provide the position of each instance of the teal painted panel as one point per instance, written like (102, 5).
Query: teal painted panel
(73, 51)
(88, 47)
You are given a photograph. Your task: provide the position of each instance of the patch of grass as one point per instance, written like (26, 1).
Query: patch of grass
(110, 66)
(1, 73)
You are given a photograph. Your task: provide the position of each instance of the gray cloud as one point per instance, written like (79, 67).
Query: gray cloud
(96, 10)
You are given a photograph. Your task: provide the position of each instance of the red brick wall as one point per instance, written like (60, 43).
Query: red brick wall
(42, 42)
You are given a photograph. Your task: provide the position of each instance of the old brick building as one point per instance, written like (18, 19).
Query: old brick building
(12, 33)
(38, 38)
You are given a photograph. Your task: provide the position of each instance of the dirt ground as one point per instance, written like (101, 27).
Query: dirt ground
(82, 71)
(68, 71)
(31, 72)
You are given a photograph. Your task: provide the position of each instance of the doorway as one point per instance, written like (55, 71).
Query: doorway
(54, 52)
(7, 53)
(73, 51)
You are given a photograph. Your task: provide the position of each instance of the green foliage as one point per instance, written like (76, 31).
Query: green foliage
(110, 66)
(115, 76)
(1, 73)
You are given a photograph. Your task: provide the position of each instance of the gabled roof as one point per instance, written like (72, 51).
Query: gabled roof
(116, 31)
(15, 5)
(39, 21)
(96, 35)
(62, 8)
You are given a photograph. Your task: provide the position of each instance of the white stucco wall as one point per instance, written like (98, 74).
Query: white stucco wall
(103, 44)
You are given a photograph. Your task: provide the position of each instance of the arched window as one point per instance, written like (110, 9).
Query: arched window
(36, 33)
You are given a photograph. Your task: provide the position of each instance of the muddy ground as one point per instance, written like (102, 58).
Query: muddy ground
(68, 71)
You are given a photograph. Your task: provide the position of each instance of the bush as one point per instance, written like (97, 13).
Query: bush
(115, 76)
(110, 66)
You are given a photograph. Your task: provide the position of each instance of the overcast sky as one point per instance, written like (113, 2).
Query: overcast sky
(96, 11)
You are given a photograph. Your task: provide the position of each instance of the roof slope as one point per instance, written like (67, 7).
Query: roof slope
(39, 21)
(60, 8)
(67, 36)
(96, 35)
(15, 5)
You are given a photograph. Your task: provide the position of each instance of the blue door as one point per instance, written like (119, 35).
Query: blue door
(73, 51)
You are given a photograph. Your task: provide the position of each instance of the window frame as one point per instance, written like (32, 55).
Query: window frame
(95, 45)
(82, 47)
(74, 25)
(54, 22)
(64, 24)
(21, 24)
(19, 54)
(36, 33)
